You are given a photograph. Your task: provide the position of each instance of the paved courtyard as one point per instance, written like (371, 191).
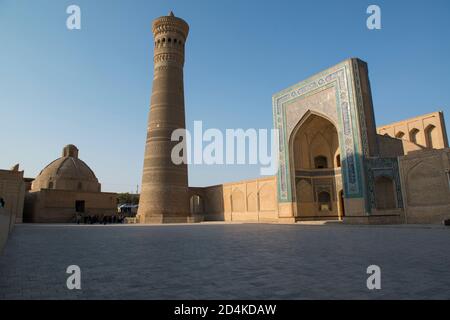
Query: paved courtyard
(225, 261)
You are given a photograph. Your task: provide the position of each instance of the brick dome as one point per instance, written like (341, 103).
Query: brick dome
(67, 173)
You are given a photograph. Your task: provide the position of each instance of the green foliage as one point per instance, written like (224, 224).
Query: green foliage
(127, 198)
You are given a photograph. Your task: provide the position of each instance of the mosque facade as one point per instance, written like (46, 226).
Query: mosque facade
(334, 162)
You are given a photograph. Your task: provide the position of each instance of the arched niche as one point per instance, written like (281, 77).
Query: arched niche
(315, 137)
(430, 136)
(315, 159)
(413, 135)
(385, 193)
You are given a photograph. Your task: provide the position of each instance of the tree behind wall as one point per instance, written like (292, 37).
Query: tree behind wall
(128, 198)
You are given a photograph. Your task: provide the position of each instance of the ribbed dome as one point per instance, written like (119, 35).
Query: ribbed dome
(67, 173)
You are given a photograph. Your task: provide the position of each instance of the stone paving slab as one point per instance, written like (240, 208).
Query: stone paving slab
(225, 261)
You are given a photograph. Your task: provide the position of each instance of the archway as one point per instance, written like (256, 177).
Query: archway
(324, 199)
(341, 205)
(413, 134)
(196, 204)
(430, 137)
(238, 201)
(320, 162)
(316, 166)
(400, 135)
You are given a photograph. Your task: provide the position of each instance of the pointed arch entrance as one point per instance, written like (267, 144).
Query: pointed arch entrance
(342, 95)
(315, 150)
(341, 205)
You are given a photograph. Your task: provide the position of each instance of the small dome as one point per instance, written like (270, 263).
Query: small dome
(67, 173)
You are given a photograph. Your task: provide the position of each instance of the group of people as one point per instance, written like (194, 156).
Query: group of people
(97, 219)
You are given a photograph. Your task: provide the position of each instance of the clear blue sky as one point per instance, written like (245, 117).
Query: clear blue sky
(92, 87)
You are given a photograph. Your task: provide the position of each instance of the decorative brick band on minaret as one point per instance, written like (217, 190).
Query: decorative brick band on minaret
(164, 193)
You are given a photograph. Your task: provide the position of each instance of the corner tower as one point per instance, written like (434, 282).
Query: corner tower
(164, 194)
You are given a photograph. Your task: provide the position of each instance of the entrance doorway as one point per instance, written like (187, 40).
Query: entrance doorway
(341, 205)
(79, 206)
(196, 204)
(317, 168)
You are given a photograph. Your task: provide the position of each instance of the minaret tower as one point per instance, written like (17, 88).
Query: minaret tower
(164, 193)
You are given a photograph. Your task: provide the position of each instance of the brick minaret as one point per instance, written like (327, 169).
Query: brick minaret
(164, 193)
